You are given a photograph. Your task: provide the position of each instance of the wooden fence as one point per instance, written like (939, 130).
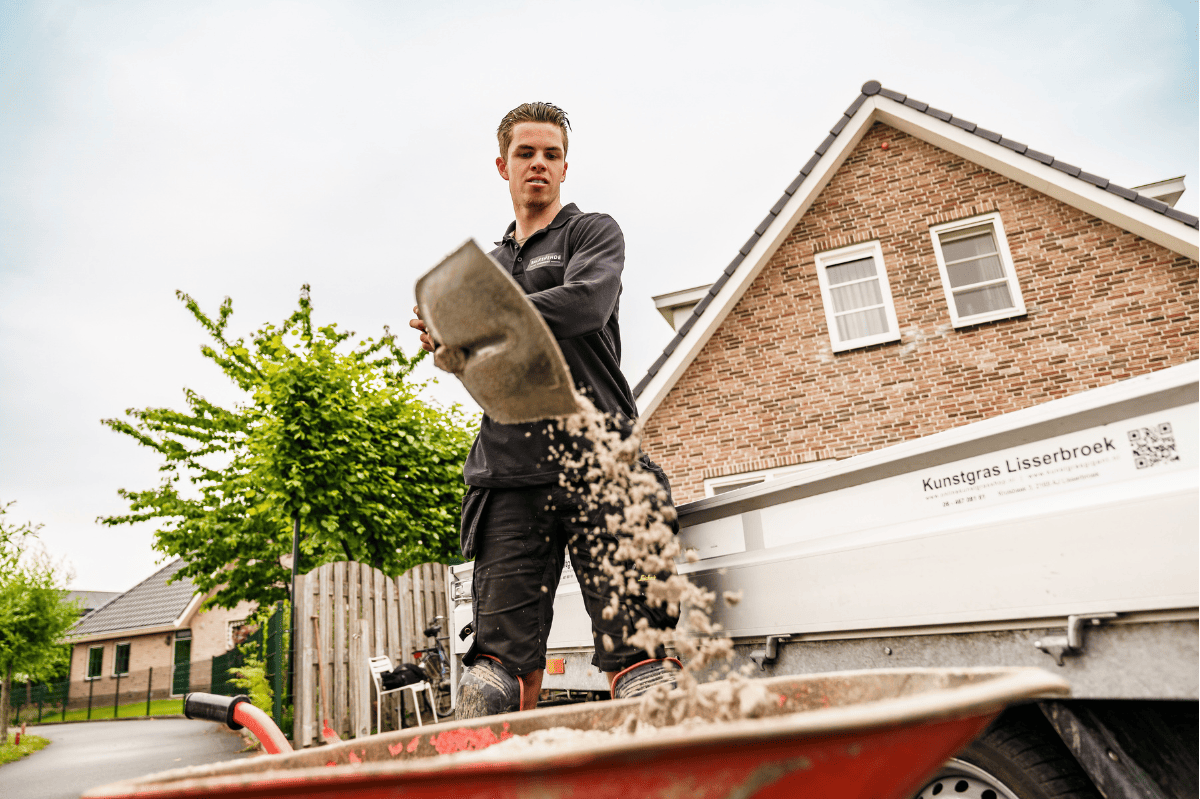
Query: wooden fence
(359, 613)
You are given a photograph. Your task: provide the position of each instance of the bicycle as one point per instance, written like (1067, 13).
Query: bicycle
(436, 665)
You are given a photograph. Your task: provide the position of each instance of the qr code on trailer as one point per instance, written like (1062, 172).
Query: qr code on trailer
(1153, 445)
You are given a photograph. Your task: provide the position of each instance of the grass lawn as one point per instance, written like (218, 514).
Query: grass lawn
(29, 743)
(158, 707)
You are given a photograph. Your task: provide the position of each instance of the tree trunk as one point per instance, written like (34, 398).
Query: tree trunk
(5, 704)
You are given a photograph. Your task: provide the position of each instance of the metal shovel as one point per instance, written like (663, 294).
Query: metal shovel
(490, 337)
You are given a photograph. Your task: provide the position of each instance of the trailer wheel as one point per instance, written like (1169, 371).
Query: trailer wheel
(1018, 757)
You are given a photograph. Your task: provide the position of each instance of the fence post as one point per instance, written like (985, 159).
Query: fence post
(275, 657)
(149, 682)
(66, 698)
(117, 697)
(91, 687)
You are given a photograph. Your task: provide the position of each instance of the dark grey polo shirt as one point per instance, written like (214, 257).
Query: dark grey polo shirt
(571, 272)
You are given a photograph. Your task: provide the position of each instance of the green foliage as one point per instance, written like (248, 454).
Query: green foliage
(331, 434)
(33, 614)
(252, 678)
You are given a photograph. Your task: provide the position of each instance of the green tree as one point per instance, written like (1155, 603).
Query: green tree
(329, 433)
(34, 616)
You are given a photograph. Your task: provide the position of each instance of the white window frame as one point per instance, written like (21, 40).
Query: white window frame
(1014, 286)
(232, 627)
(762, 476)
(88, 666)
(841, 255)
(117, 645)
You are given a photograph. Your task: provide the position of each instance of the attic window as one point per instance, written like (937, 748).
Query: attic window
(977, 270)
(858, 300)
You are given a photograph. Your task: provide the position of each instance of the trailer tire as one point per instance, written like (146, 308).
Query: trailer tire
(1018, 757)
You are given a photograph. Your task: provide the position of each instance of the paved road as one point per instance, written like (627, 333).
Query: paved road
(83, 756)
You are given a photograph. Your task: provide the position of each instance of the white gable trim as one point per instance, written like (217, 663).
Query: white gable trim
(1150, 225)
(758, 257)
(1105, 205)
(185, 618)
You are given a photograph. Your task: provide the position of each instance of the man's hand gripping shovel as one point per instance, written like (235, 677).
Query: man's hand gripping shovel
(489, 336)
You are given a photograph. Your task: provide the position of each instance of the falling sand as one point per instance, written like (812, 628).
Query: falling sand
(600, 461)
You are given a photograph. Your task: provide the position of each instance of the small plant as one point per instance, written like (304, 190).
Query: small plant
(252, 678)
(15, 751)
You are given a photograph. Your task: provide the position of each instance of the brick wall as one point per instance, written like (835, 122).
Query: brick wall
(767, 390)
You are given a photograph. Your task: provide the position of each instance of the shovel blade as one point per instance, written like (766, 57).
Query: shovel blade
(493, 339)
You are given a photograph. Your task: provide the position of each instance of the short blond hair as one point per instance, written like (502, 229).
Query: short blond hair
(531, 112)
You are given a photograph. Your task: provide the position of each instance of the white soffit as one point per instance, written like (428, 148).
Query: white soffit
(1105, 205)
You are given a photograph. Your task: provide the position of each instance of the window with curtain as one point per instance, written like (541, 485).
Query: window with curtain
(857, 297)
(977, 271)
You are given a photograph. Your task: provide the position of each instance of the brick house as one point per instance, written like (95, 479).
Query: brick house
(920, 273)
(156, 625)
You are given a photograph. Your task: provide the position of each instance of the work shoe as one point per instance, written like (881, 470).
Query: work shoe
(485, 690)
(641, 677)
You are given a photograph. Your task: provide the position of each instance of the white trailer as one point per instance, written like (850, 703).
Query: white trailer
(1062, 536)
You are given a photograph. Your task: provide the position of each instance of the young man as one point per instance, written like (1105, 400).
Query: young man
(518, 521)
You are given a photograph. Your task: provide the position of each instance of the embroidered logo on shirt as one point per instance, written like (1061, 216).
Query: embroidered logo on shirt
(543, 260)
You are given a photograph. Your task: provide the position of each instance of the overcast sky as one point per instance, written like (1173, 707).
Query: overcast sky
(245, 148)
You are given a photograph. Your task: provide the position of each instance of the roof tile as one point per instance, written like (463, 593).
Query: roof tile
(1039, 156)
(688, 323)
(1180, 216)
(673, 344)
(750, 242)
(795, 184)
(942, 115)
(987, 134)
(852, 109)
(1121, 191)
(891, 95)
(780, 203)
(734, 264)
(917, 104)
(766, 223)
(715, 288)
(1151, 203)
(969, 127)
(1095, 180)
(1063, 166)
(810, 165)
(825, 144)
(871, 87)
(1015, 146)
(841, 123)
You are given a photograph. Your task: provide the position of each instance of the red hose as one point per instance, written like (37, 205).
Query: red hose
(263, 728)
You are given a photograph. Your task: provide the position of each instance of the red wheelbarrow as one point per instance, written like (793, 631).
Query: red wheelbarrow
(871, 734)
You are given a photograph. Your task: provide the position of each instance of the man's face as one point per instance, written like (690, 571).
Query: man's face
(535, 166)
